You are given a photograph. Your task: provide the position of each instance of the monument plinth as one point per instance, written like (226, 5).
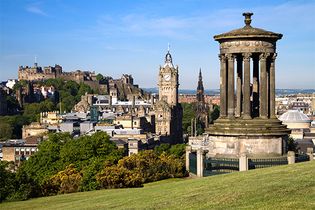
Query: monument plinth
(247, 122)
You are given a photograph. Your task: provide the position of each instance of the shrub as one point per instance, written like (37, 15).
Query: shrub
(118, 177)
(68, 180)
(141, 168)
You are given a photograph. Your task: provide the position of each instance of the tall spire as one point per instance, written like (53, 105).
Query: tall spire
(200, 89)
(35, 61)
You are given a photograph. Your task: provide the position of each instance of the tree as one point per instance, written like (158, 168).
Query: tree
(178, 150)
(46, 162)
(162, 148)
(292, 145)
(5, 131)
(16, 122)
(215, 114)
(82, 90)
(7, 181)
(99, 77)
(12, 104)
(188, 114)
(88, 154)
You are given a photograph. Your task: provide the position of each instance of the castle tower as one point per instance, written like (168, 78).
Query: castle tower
(249, 125)
(168, 112)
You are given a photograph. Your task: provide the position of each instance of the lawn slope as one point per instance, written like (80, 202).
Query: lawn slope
(282, 187)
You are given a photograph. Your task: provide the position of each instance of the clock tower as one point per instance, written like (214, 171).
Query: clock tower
(168, 82)
(168, 112)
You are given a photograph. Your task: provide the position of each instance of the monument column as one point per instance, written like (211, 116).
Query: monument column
(231, 109)
(239, 81)
(223, 99)
(188, 151)
(272, 103)
(246, 94)
(200, 162)
(255, 86)
(263, 99)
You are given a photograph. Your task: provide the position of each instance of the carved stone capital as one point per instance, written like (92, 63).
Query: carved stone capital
(246, 56)
(264, 56)
(273, 56)
(230, 57)
(222, 57)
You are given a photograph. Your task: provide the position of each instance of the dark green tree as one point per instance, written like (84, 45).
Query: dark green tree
(215, 114)
(99, 77)
(5, 131)
(7, 181)
(188, 114)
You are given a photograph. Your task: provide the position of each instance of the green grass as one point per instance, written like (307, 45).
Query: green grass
(282, 187)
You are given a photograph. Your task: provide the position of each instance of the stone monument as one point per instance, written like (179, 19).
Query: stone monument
(247, 123)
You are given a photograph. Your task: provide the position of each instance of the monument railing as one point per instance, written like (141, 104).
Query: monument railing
(301, 158)
(254, 163)
(218, 165)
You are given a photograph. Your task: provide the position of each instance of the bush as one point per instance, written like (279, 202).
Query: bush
(67, 181)
(141, 168)
(178, 150)
(118, 177)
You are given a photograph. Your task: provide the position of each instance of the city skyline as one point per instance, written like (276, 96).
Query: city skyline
(117, 37)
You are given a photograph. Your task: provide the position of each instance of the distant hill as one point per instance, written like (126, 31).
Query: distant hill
(217, 91)
(281, 187)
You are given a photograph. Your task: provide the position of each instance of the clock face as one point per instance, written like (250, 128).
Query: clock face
(167, 77)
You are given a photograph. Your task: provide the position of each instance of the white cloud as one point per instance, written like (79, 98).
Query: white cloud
(35, 8)
(187, 27)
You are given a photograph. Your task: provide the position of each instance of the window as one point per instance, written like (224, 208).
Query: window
(17, 151)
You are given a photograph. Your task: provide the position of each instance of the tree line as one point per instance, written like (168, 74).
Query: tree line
(65, 164)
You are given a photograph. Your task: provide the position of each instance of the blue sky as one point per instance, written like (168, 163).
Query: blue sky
(124, 36)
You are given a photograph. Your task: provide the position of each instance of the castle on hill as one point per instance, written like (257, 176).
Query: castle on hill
(53, 72)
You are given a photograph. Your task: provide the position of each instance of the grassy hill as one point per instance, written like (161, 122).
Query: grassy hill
(282, 187)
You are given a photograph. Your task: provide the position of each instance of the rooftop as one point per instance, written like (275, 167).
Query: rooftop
(294, 116)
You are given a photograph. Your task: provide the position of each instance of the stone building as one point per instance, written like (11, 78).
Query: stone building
(191, 98)
(247, 126)
(17, 152)
(34, 129)
(50, 118)
(53, 72)
(168, 112)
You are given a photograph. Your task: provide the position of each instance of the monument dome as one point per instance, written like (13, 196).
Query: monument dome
(295, 119)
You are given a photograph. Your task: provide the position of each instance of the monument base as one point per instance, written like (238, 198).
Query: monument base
(254, 137)
(252, 146)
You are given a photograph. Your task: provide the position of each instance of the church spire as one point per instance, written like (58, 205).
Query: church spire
(200, 89)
